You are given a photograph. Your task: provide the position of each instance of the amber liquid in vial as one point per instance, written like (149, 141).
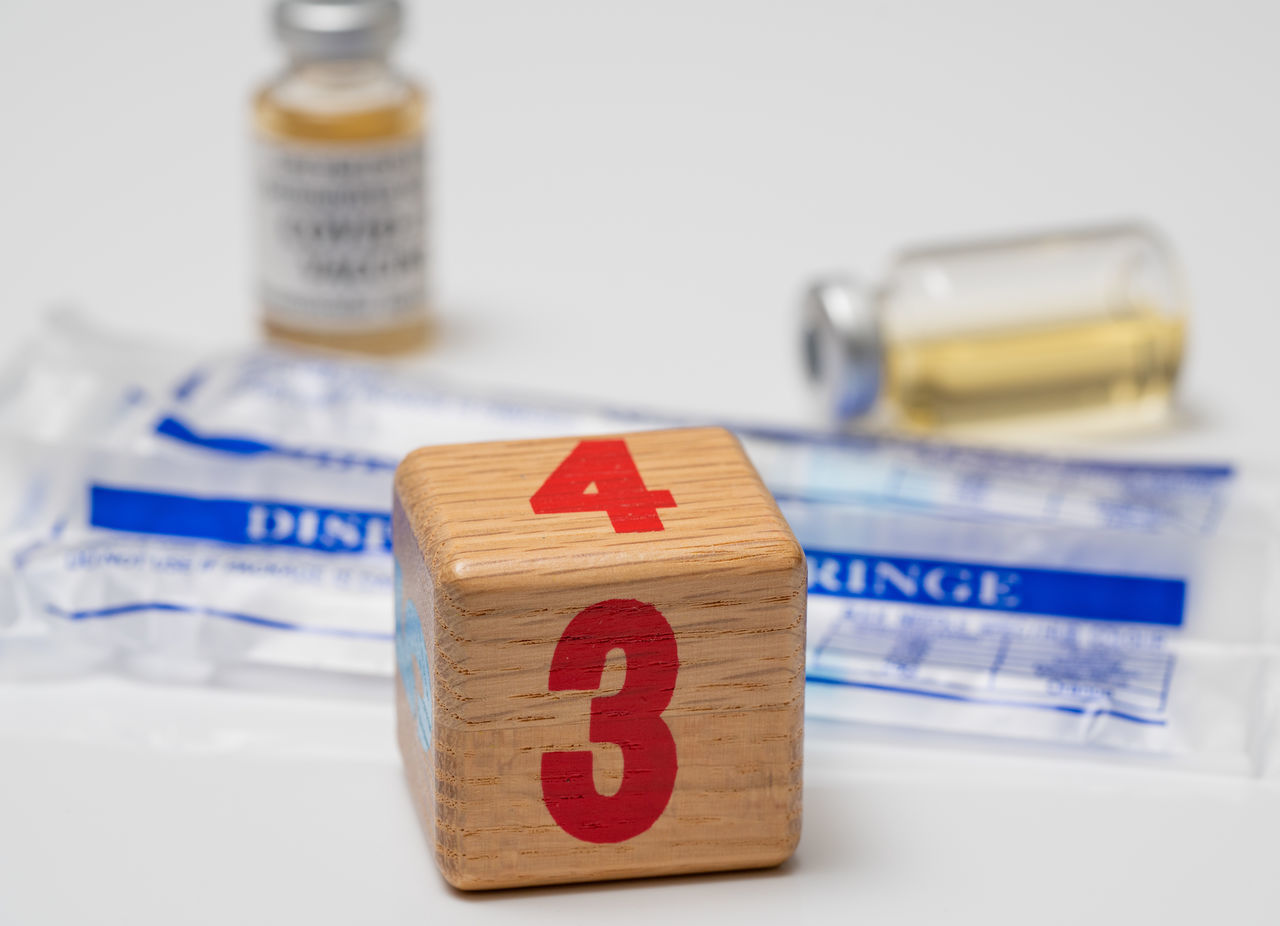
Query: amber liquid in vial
(1128, 361)
(400, 119)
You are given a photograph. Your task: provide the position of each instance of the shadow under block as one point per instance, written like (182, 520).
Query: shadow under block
(600, 650)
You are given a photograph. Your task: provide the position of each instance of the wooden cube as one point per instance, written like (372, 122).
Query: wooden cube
(600, 649)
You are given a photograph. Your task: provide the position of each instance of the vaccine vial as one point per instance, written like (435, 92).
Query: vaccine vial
(340, 183)
(1062, 322)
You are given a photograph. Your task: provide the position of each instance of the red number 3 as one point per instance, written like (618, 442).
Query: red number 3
(631, 719)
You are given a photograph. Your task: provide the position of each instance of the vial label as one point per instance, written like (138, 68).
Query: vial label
(341, 234)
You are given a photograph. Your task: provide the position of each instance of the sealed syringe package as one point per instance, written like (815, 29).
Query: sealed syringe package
(225, 519)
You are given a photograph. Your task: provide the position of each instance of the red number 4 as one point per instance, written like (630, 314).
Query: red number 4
(632, 508)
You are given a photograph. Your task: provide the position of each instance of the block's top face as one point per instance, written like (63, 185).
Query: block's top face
(657, 503)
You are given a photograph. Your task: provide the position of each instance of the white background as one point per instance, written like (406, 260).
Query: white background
(627, 198)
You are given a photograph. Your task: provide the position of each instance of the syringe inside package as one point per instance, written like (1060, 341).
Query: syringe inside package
(226, 519)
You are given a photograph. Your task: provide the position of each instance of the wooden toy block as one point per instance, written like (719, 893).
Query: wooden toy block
(600, 649)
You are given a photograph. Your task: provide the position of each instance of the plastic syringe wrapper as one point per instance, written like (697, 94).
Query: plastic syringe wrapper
(225, 519)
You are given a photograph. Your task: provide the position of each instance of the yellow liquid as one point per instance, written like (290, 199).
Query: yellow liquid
(400, 120)
(1052, 367)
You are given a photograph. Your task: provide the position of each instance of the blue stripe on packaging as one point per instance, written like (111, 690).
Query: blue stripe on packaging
(254, 522)
(999, 588)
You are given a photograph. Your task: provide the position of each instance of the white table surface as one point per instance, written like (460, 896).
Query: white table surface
(627, 197)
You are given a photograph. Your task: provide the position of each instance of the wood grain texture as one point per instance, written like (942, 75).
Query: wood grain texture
(494, 586)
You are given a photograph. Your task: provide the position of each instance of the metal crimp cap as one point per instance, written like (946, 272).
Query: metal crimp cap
(338, 28)
(844, 354)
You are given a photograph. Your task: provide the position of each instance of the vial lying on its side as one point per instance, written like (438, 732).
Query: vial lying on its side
(1048, 323)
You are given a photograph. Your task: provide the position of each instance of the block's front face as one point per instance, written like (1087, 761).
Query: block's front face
(606, 683)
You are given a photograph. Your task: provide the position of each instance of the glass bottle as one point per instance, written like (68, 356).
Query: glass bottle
(1059, 322)
(341, 199)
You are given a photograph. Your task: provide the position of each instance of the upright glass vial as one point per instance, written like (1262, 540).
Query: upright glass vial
(1059, 322)
(341, 199)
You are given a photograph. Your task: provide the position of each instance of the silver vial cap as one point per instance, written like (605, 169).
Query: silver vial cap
(313, 29)
(844, 354)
